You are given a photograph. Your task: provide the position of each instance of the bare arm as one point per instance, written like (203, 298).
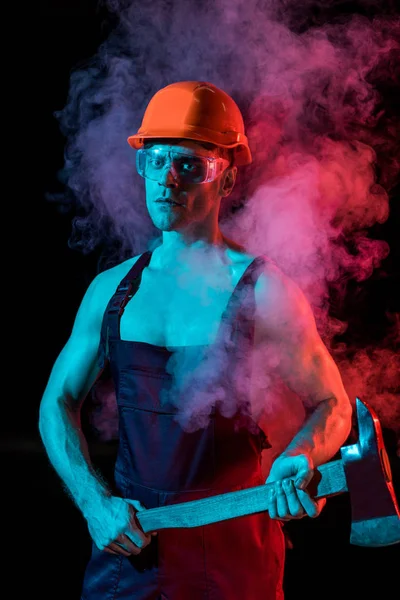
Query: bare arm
(72, 376)
(111, 519)
(287, 326)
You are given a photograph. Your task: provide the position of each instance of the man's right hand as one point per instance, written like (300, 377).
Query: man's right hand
(113, 527)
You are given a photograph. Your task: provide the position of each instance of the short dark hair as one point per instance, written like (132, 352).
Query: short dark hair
(228, 153)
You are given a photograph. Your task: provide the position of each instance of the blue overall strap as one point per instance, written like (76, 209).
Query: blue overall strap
(241, 306)
(239, 317)
(115, 308)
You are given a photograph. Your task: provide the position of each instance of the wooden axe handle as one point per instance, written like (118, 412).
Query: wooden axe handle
(329, 480)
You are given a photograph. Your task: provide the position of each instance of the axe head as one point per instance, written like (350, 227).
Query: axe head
(374, 507)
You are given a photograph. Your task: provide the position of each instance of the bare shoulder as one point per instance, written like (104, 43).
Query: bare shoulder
(104, 285)
(273, 286)
(110, 278)
(280, 303)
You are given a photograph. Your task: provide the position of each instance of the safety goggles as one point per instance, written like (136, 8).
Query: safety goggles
(151, 164)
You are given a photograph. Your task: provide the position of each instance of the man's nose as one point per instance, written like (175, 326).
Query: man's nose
(169, 177)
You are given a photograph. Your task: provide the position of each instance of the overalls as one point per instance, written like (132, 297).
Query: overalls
(160, 462)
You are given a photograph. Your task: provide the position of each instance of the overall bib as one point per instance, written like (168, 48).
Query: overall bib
(160, 462)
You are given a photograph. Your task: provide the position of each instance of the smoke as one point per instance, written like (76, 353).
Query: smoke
(316, 86)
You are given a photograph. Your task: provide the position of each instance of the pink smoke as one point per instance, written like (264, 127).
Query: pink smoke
(324, 138)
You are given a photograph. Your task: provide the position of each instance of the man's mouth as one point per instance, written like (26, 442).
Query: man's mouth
(168, 201)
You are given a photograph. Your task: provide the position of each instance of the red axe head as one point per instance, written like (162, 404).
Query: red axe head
(375, 512)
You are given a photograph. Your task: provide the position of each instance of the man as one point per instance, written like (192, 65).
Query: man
(136, 318)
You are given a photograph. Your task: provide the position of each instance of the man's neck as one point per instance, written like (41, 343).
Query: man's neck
(176, 241)
(178, 248)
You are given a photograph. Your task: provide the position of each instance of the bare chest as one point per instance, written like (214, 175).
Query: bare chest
(180, 309)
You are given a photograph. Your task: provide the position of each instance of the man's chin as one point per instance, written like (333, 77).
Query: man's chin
(167, 224)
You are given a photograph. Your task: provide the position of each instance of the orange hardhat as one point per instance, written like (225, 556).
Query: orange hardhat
(195, 110)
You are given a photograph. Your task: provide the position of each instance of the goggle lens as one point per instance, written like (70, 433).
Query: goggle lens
(151, 164)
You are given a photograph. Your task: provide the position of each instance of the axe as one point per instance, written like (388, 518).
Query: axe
(363, 471)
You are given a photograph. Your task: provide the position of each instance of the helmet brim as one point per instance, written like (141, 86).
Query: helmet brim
(242, 154)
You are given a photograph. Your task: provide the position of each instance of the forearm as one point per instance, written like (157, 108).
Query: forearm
(68, 452)
(324, 431)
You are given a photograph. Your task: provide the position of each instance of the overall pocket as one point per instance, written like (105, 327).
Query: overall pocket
(159, 454)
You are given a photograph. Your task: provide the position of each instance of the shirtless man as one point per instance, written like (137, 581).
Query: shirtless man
(187, 173)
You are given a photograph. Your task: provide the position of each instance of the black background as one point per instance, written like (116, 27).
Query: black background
(322, 563)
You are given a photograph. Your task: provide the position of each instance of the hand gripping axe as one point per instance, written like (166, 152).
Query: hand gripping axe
(363, 471)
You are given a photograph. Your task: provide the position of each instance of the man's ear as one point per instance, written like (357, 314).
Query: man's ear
(228, 182)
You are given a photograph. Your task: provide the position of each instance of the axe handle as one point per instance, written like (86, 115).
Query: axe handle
(329, 480)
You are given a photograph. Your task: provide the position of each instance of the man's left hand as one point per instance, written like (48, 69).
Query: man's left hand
(290, 475)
